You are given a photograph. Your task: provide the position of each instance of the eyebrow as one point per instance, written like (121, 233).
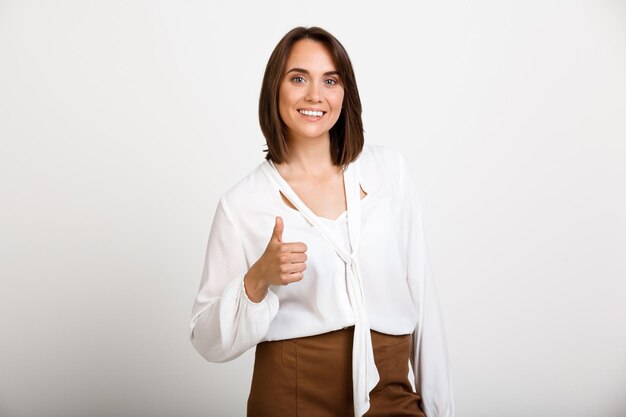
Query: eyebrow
(302, 70)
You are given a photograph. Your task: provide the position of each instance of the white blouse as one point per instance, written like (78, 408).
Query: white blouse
(368, 268)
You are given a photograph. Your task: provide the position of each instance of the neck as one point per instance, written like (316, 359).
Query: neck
(308, 158)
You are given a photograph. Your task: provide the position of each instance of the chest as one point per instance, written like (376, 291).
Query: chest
(326, 198)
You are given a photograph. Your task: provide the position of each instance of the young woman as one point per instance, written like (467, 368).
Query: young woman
(318, 257)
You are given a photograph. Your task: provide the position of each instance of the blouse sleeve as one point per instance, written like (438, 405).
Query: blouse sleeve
(225, 322)
(429, 351)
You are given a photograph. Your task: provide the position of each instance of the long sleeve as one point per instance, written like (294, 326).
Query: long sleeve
(429, 352)
(225, 322)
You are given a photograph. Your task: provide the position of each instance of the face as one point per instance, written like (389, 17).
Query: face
(311, 92)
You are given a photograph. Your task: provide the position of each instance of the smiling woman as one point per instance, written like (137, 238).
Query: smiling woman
(334, 290)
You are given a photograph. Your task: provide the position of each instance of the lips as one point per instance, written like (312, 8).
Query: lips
(311, 114)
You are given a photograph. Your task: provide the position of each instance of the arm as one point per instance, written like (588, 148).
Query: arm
(225, 322)
(429, 351)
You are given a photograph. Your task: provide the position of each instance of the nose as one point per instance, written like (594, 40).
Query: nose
(313, 92)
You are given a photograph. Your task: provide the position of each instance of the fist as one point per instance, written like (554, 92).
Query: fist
(282, 263)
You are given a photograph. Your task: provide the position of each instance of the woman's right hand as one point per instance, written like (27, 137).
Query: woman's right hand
(282, 263)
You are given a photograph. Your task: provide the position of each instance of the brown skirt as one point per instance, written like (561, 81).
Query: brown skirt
(312, 376)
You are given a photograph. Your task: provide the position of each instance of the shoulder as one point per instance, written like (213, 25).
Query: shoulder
(381, 154)
(381, 162)
(246, 189)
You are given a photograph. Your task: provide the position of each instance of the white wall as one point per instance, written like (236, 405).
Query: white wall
(121, 122)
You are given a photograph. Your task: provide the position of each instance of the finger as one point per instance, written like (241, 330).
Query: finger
(293, 267)
(279, 226)
(295, 247)
(293, 277)
(297, 257)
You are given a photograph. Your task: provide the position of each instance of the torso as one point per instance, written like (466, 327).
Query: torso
(380, 237)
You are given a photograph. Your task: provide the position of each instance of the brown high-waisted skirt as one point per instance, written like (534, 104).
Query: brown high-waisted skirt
(312, 377)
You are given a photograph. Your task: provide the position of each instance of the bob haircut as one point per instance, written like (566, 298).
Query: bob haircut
(346, 136)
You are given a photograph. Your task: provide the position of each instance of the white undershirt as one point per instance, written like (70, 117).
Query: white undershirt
(339, 228)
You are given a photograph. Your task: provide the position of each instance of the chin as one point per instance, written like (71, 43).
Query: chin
(316, 135)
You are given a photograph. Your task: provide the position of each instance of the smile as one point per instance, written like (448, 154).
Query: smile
(312, 113)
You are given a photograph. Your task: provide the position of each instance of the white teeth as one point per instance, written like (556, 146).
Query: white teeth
(311, 113)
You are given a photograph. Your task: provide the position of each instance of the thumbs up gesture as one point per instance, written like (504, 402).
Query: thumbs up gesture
(282, 263)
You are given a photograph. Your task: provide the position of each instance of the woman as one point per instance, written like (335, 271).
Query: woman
(318, 258)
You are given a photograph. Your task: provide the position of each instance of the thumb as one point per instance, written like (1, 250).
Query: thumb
(277, 233)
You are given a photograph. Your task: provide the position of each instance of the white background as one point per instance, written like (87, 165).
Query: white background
(121, 123)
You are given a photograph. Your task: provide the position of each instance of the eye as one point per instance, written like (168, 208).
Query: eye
(331, 81)
(298, 79)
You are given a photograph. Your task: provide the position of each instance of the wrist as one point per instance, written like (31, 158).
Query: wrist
(254, 287)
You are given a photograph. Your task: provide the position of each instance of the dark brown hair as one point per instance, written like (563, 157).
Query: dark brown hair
(346, 136)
